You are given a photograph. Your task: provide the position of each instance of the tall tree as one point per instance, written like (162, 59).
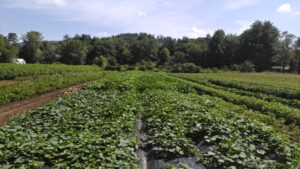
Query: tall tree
(12, 38)
(258, 44)
(31, 51)
(231, 46)
(297, 55)
(284, 49)
(73, 52)
(7, 50)
(216, 49)
(49, 52)
(164, 56)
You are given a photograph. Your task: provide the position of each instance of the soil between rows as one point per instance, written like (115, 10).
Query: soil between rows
(9, 110)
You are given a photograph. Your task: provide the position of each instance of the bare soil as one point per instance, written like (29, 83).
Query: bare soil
(15, 108)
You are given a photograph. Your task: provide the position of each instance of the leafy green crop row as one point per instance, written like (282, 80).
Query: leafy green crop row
(93, 129)
(291, 115)
(267, 97)
(288, 94)
(41, 84)
(96, 129)
(176, 121)
(270, 98)
(12, 71)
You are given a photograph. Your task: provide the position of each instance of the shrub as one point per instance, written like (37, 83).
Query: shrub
(100, 61)
(247, 66)
(144, 65)
(186, 68)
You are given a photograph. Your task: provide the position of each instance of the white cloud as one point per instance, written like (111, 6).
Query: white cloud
(284, 8)
(297, 13)
(142, 13)
(102, 34)
(231, 5)
(243, 25)
(198, 32)
(51, 2)
(174, 18)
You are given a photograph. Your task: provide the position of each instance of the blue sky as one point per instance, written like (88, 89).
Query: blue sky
(176, 18)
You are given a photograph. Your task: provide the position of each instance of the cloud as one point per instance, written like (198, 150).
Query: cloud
(51, 2)
(142, 13)
(284, 8)
(198, 32)
(231, 5)
(102, 34)
(243, 25)
(174, 18)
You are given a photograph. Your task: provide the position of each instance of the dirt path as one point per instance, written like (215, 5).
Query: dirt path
(15, 108)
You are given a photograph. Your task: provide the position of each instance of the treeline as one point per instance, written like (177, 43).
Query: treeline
(256, 49)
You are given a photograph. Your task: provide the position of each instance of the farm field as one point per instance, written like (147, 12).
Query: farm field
(18, 82)
(158, 120)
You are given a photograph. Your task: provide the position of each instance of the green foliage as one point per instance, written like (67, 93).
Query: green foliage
(284, 55)
(49, 53)
(31, 50)
(291, 115)
(74, 52)
(164, 56)
(144, 66)
(30, 80)
(186, 68)
(13, 71)
(89, 130)
(96, 129)
(258, 44)
(247, 66)
(7, 51)
(112, 61)
(216, 49)
(12, 38)
(100, 61)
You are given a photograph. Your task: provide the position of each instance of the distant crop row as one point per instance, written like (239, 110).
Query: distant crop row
(30, 80)
(290, 114)
(41, 84)
(13, 71)
(284, 93)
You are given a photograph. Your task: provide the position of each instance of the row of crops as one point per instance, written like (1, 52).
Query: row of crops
(18, 82)
(97, 128)
(284, 109)
(13, 71)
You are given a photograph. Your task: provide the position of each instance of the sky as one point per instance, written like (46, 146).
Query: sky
(175, 18)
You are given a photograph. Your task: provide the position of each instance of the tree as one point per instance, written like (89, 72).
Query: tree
(196, 54)
(99, 47)
(112, 61)
(178, 57)
(297, 55)
(259, 44)
(231, 46)
(48, 53)
(284, 50)
(164, 56)
(73, 52)
(100, 61)
(7, 50)
(167, 42)
(31, 51)
(216, 49)
(12, 38)
(126, 57)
